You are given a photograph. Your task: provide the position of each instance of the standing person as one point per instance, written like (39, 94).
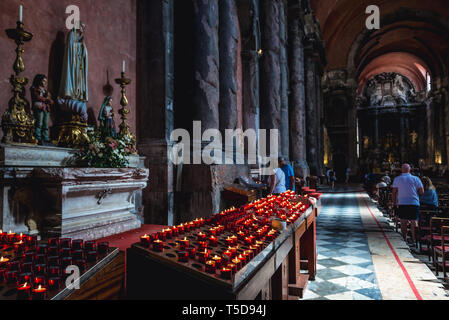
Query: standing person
(406, 192)
(332, 178)
(328, 177)
(348, 173)
(277, 182)
(289, 174)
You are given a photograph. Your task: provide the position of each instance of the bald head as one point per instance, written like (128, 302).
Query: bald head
(406, 168)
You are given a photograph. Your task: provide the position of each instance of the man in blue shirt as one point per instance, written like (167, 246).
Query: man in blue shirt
(289, 174)
(406, 192)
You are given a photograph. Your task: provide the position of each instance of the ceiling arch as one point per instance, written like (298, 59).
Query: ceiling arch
(414, 28)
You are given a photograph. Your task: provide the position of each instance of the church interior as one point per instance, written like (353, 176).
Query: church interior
(224, 150)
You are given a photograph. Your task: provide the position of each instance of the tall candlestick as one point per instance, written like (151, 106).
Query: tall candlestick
(21, 14)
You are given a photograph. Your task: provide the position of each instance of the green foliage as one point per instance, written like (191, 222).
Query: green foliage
(104, 152)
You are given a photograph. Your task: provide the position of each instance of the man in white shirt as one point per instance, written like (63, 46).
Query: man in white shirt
(406, 192)
(277, 182)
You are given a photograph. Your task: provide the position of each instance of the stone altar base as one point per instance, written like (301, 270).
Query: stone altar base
(40, 195)
(89, 203)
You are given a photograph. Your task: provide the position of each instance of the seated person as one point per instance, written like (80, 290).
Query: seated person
(430, 197)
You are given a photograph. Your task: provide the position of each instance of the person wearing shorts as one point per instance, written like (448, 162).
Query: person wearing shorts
(406, 192)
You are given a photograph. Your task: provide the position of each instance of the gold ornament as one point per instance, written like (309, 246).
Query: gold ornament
(125, 131)
(17, 123)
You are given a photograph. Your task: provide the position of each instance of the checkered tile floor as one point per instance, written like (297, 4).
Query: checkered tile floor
(344, 269)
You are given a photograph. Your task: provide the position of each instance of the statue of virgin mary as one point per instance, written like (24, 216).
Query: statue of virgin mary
(75, 68)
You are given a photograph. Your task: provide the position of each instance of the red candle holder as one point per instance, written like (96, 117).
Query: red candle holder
(24, 291)
(212, 231)
(65, 242)
(183, 256)
(92, 256)
(41, 259)
(228, 255)
(53, 242)
(40, 280)
(203, 255)
(31, 241)
(54, 271)
(233, 267)
(233, 251)
(237, 262)
(14, 265)
(201, 236)
(218, 261)
(192, 252)
(42, 249)
(11, 237)
(26, 267)
(53, 251)
(3, 262)
(175, 231)
(192, 225)
(210, 266)
(202, 245)
(81, 264)
(154, 237)
(169, 233)
(39, 293)
(162, 235)
(77, 255)
(78, 244)
(90, 245)
(54, 261)
(66, 261)
(158, 246)
(184, 243)
(249, 254)
(242, 259)
(40, 269)
(229, 241)
(145, 241)
(181, 229)
(226, 273)
(213, 241)
(54, 283)
(103, 247)
(25, 277)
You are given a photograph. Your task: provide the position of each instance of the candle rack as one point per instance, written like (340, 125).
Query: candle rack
(125, 131)
(17, 122)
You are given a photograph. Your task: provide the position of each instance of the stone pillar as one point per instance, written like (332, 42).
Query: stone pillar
(155, 106)
(297, 105)
(206, 64)
(376, 130)
(229, 36)
(430, 135)
(311, 116)
(284, 128)
(250, 29)
(270, 91)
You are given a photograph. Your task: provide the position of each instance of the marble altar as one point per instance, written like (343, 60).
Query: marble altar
(41, 192)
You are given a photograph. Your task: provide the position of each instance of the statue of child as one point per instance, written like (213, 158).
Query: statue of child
(41, 104)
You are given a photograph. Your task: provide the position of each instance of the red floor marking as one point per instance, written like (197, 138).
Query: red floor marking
(404, 270)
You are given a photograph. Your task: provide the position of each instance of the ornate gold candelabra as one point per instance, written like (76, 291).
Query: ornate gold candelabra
(17, 123)
(125, 131)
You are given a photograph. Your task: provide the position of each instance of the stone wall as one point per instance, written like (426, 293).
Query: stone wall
(110, 39)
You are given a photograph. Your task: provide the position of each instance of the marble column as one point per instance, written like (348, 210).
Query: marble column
(284, 129)
(229, 37)
(250, 29)
(155, 106)
(430, 135)
(311, 116)
(206, 64)
(297, 105)
(270, 91)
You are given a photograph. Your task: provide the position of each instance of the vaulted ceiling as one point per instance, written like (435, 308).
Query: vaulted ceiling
(414, 35)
